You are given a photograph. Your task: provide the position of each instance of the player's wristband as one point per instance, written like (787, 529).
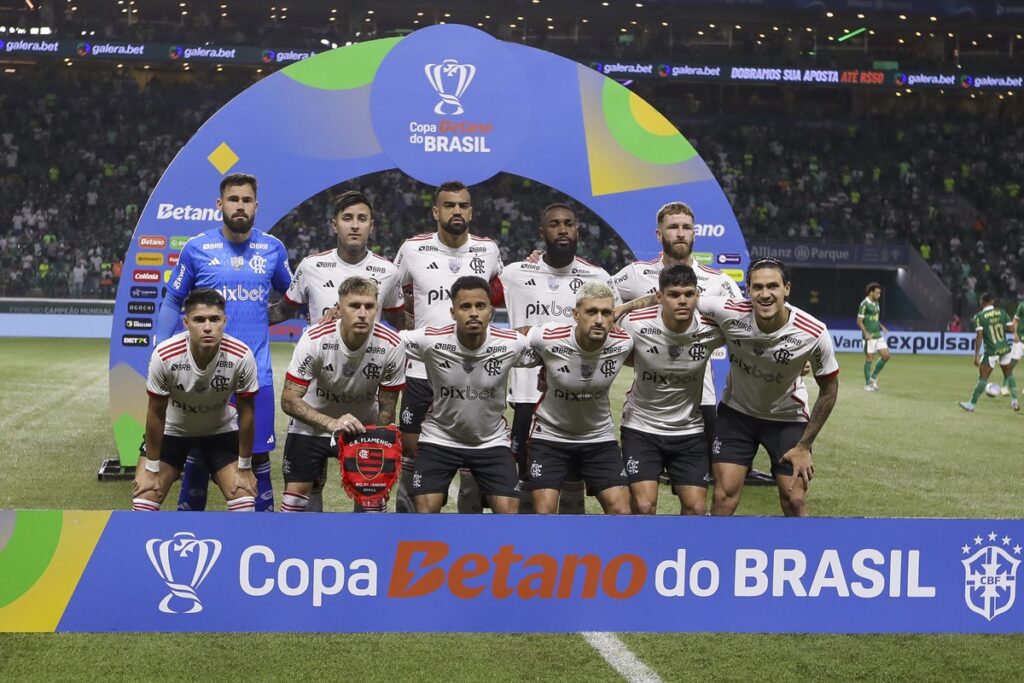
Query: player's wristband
(153, 466)
(245, 463)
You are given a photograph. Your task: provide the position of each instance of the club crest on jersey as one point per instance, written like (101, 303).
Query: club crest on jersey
(575, 284)
(258, 264)
(348, 369)
(783, 356)
(587, 370)
(698, 352)
(454, 265)
(990, 575)
(220, 383)
(237, 262)
(192, 558)
(476, 264)
(493, 367)
(674, 351)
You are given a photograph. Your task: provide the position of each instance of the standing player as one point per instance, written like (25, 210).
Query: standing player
(536, 293)
(674, 230)
(345, 374)
(244, 265)
(662, 426)
(468, 364)
(874, 333)
(765, 400)
(428, 265)
(572, 429)
(1017, 351)
(991, 323)
(191, 376)
(316, 280)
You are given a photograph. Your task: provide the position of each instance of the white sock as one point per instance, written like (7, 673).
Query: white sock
(242, 504)
(143, 505)
(294, 502)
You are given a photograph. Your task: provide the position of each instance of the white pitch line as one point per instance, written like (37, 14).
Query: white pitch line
(618, 656)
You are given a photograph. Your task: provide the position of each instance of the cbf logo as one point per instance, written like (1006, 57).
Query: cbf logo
(182, 562)
(990, 575)
(449, 79)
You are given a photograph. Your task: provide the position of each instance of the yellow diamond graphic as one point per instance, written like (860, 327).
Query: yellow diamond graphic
(223, 158)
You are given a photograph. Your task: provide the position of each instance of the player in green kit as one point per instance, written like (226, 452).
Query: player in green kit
(874, 335)
(1017, 352)
(991, 324)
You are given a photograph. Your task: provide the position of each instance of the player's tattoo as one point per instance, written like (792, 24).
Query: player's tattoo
(641, 302)
(829, 392)
(293, 405)
(386, 402)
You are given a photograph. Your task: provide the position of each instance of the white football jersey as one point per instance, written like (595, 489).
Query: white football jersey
(469, 385)
(668, 373)
(316, 281)
(536, 293)
(427, 268)
(641, 278)
(764, 376)
(342, 380)
(575, 406)
(198, 399)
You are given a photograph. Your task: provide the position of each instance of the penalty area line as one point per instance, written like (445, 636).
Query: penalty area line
(619, 657)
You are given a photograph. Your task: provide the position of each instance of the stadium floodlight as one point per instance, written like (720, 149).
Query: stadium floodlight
(852, 34)
(324, 41)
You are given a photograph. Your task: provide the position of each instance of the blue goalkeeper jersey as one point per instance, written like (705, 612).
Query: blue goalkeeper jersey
(244, 274)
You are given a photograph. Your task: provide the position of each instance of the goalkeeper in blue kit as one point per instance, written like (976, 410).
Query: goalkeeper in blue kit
(244, 265)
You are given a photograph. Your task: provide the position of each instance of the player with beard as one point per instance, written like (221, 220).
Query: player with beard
(428, 265)
(536, 292)
(675, 232)
(765, 399)
(243, 264)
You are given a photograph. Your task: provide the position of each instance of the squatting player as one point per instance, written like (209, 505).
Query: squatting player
(662, 426)
(536, 293)
(316, 281)
(765, 399)
(191, 377)
(344, 374)
(428, 265)
(468, 364)
(572, 429)
(873, 331)
(244, 265)
(991, 324)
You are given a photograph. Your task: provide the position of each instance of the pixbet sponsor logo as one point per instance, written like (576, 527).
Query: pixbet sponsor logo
(146, 276)
(166, 211)
(152, 241)
(240, 293)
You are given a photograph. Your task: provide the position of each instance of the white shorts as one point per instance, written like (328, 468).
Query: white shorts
(1018, 351)
(993, 361)
(873, 345)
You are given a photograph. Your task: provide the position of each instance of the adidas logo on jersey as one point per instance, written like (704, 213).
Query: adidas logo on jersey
(329, 284)
(215, 261)
(531, 283)
(653, 349)
(446, 364)
(564, 368)
(329, 367)
(432, 266)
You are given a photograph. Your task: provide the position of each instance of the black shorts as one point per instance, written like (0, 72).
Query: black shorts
(493, 468)
(522, 419)
(216, 451)
(552, 462)
(305, 457)
(737, 436)
(417, 397)
(684, 457)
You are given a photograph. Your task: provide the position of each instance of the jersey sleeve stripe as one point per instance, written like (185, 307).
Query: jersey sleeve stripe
(245, 394)
(619, 335)
(810, 322)
(290, 300)
(809, 330)
(386, 337)
(289, 377)
(392, 387)
(437, 331)
(708, 321)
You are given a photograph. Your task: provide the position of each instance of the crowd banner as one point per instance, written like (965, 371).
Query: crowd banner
(444, 103)
(125, 571)
(924, 343)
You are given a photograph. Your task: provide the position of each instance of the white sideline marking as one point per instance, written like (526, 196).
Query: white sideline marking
(618, 656)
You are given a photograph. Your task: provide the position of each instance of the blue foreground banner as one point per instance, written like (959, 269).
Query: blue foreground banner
(488, 573)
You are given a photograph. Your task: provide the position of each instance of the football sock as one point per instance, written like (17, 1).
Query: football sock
(1012, 384)
(403, 499)
(878, 367)
(264, 487)
(242, 504)
(867, 372)
(195, 480)
(294, 502)
(143, 505)
(979, 389)
(571, 500)
(470, 499)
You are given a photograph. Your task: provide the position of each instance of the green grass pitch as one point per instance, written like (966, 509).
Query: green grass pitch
(904, 451)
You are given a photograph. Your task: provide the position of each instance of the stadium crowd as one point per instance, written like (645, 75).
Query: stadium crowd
(80, 154)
